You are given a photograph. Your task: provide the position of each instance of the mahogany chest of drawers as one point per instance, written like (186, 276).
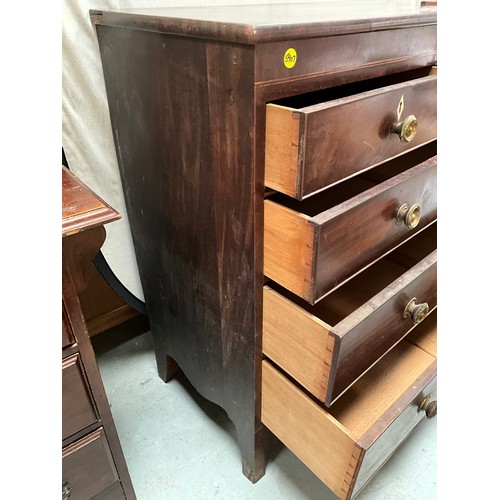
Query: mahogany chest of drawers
(93, 465)
(279, 168)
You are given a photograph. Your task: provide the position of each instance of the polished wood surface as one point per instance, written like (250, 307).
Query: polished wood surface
(92, 460)
(326, 150)
(187, 92)
(367, 422)
(265, 23)
(327, 347)
(87, 466)
(77, 405)
(82, 209)
(194, 237)
(303, 252)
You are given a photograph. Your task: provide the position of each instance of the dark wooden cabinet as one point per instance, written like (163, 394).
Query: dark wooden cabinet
(279, 168)
(93, 465)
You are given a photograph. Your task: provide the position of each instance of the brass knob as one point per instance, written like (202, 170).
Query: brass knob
(407, 129)
(417, 311)
(409, 215)
(429, 406)
(66, 491)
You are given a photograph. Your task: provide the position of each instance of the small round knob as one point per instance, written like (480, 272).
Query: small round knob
(429, 406)
(410, 216)
(407, 129)
(417, 312)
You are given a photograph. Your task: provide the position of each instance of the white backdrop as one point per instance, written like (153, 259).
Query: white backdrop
(86, 130)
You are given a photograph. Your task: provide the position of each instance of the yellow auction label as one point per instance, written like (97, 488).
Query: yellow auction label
(290, 58)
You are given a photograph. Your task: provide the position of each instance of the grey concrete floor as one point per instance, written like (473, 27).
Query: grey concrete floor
(179, 445)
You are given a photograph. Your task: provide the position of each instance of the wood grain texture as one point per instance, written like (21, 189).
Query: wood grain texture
(82, 209)
(190, 195)
(188, 118)
(377, 52)
(373, 396)
(265, 23)
(307, 429)
(305, 253)
(425, 335)
(395, 434)
(375, 327)
(282, 149)
(327, 347)
(85, 405)
(298, 342)
(87, 465)
(375, 416)
(347, 135)
(289, 248)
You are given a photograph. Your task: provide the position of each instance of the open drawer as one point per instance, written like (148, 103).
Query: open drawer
(327, 347)
(312, 247)
(348, 443)
(316, 140)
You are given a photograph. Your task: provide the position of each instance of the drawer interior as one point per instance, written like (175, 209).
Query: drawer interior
(370, 420)
(345, 300)
(302, 101)
(339, 193)
(375, 393)
(345, 444)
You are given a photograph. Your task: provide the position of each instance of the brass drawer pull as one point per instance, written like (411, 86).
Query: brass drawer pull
(417, 311)
(410, 216)
(429, 406)
(406, 130)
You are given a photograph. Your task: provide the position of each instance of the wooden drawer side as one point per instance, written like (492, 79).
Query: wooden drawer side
(334, 140)
(317, 439)
(289, 247)
(347, 443)
(303, 345)
(282, 149)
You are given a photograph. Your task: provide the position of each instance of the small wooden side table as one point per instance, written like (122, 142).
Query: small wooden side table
(93, 464)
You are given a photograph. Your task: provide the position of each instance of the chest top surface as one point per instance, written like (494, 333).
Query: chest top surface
(81, 208)
(252, 24)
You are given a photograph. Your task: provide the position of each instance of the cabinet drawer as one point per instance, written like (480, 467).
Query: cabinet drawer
(345, 445)
(327, 347)
(77, 404)
(312, 145)
(88, 467)
(302, 248)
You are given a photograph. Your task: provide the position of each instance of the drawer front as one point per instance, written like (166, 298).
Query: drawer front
(389, 441)
(309, 149)
(88, 467)
(327, 358)
(344, 448)
(77, 404)
(346, 55)
(307, 256)
(374, 328)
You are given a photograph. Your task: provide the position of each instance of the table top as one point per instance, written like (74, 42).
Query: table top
(264, 23)
(82, 209)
